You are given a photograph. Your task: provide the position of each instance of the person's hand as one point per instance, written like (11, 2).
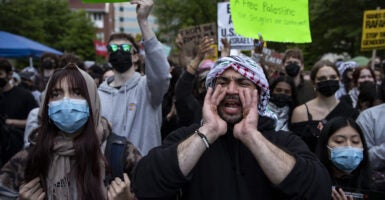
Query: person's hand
(31, 190)
(205, 46)
(225, 47)
(120, 190)
(213, 125)
(249, 122)
(340, 195)
(143, 8)
(258, 44)
(179, 41)
(9, 122)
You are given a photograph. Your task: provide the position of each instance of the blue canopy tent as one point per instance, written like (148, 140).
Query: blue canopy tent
(16, 46)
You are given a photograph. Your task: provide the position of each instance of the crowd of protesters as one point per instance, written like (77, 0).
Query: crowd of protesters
(147, 127)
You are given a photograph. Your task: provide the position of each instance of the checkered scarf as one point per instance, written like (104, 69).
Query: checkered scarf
(247, 68)
(343, 66)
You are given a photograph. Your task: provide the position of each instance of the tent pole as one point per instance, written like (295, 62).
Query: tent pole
(30, 61)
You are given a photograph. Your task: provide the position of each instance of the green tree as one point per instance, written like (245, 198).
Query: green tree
(337, 27)
(173, 15)
(50, 22)
(78, 36)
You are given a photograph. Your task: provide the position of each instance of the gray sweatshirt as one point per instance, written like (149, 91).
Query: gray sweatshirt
(134, 110)
(372, 123)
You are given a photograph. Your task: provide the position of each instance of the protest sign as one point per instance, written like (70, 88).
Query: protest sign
(196, 33)
(279, 21)
(192, 36)
(226, 30)
(373, 30)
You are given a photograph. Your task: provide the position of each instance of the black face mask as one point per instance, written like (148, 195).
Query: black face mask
(3, 82)
(328, 88)
(281, 100)
(292, 69)
(26, 86)
(120, 60)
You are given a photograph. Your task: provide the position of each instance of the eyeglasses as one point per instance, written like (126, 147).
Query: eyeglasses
(114, 47)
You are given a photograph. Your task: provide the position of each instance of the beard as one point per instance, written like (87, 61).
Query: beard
(230, 109)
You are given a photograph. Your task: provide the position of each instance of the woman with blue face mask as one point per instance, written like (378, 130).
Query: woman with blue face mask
(342, 149)
(65, 159)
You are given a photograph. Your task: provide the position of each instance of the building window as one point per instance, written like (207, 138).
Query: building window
(121, 19)
(121, 29)
(121, 8)
(97, 16)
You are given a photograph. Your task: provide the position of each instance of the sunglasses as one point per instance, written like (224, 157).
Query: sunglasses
(114, 47)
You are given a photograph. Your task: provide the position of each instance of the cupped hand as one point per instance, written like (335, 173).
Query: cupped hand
(249, 122)
(213, 125)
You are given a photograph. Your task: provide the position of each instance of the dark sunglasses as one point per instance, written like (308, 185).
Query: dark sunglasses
(114, 47)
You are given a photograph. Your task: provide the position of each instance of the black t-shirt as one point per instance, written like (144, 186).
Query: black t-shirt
(310, 130)
(16, 103)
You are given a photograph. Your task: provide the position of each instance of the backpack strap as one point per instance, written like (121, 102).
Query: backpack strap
(115, 155)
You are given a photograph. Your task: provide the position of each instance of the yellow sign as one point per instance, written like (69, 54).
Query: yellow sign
(373, 30)
(277, 20)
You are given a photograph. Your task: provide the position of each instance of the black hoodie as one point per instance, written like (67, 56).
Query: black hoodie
(228, 170)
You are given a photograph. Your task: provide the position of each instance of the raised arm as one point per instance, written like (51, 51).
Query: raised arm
(166, 168)
(143, 10)
(190, 150)
(156, 65)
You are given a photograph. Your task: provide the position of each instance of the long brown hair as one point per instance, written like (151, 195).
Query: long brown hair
(87, 157)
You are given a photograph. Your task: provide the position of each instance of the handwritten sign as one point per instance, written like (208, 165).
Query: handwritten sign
(277, 20)
(271, 57)
(196, 33)
(192, 36)
(226, 30)
(373, 30)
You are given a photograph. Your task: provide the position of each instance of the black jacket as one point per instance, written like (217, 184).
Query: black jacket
(188, 107)
(228, 170)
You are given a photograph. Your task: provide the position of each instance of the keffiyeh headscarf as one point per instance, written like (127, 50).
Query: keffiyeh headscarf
(247, 68)
(343, 66)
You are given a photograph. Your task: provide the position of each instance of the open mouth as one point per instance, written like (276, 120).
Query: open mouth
(232, 106)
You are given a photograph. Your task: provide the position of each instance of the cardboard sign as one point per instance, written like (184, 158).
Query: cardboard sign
(276, 20)
(196, 33)
(373, 30)
(226, 30)
(193, 35)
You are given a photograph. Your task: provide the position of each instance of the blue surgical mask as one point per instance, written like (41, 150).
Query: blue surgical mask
(346, 158)
(69, 115)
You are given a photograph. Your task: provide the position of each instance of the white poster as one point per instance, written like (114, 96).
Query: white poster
(226, 30)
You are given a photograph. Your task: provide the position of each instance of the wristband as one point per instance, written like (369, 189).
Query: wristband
(204, 138)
